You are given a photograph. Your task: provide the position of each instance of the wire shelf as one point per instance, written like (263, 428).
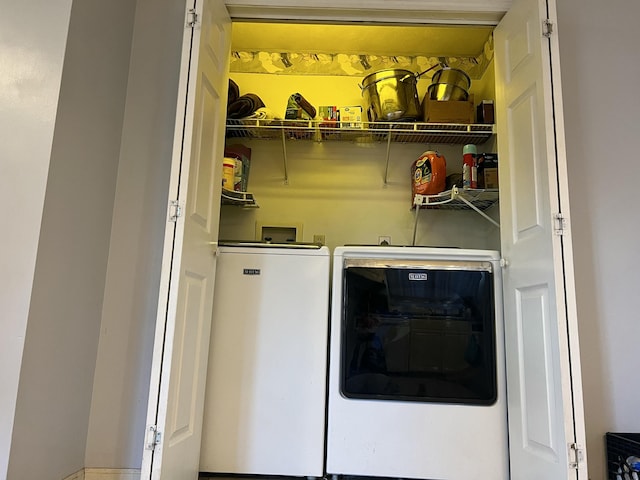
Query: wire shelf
(241, 199)
(459, 199)
(398, 132)
(456, 199)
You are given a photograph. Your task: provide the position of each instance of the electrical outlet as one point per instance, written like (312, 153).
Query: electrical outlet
(318, 239)
(384, 240)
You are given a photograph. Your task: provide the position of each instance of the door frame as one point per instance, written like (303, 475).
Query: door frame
(426, 12)
(181, 208)
(465, 12)
(469, 12)
(566, 240)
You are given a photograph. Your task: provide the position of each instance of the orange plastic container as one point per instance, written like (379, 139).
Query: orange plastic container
(429, 174)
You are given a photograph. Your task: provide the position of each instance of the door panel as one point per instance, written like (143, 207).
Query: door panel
(533, 316)
(524, 178)
(183, 397)
(186, 299)
(203, 203)
(540, 376)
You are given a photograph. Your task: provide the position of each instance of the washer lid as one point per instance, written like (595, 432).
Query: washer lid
(252, 244)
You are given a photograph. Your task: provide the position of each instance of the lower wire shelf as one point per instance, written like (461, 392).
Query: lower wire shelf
(459, 199)
(240, 199)
(476, 199)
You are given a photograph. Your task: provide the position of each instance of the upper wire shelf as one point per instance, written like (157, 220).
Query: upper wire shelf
(398, 132)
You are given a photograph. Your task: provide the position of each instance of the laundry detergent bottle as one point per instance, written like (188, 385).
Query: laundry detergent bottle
(429, 174)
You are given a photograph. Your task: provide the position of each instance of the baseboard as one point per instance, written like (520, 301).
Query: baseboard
(79, 475)
(106, 474)
(111, 474)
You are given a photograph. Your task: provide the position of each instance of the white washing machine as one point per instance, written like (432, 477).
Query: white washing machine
(265, 405)
(416, 364)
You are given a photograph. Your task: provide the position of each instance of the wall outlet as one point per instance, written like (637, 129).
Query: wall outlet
(318, 239)
(384, 240)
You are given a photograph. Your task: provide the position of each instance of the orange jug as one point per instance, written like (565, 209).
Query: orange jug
(429, 174)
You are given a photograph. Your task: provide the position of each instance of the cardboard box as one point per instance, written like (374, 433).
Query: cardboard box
(350, 117)
(487, 170)
(450, 111)
(329, 116)
(485, 113)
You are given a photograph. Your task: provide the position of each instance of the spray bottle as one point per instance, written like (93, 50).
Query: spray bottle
(469, 168)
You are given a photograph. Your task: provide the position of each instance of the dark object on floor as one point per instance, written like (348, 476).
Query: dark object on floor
(619, 447)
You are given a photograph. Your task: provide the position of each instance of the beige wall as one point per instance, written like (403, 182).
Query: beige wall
(120, 389)
(337, 188)
(56, 378)
(31, 55)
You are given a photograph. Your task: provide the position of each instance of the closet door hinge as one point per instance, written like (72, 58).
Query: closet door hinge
(175, 211)
(154, 437)
(192, 18)
(547, 28)
(560, 224)
(576, 456)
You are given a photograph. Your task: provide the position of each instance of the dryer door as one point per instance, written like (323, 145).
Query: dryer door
(419, 332)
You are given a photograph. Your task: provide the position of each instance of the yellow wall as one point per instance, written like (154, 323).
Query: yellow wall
(337, 189)
(274, 90)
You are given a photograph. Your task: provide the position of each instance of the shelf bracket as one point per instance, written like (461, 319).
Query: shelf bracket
(477, 210)
(442, 199)
(284, 157)
(415, 225)
(386, 168)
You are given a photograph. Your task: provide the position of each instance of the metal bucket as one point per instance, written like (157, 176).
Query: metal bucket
(446, 91)
(391, 95)
(449, 84)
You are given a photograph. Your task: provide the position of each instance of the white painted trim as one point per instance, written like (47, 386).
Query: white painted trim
(458, 5)
(486, 12)
(106, 474)
(574, 380)
(79, 475)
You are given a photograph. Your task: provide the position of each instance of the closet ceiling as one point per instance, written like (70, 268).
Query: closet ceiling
(341, 49)
(388, 40)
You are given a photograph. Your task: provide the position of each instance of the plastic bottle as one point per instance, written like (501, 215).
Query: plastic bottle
(429, 174)
(469, 167)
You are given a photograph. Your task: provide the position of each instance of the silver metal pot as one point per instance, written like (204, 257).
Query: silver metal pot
(391, 95)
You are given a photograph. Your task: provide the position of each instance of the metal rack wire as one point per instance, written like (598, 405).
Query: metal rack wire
(399, 132)
(242, 199)
(388, 132)
(457, 199)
